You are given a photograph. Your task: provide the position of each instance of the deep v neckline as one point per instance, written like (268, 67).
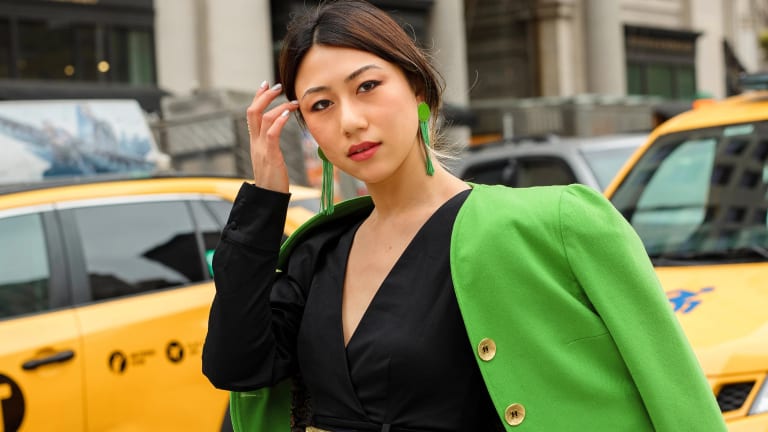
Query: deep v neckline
(408, 354)
(383, 284)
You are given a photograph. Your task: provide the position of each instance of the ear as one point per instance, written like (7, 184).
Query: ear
(418, 89)
(419, 96)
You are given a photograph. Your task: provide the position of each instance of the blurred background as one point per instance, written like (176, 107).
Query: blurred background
(539, 92)
(512, 67)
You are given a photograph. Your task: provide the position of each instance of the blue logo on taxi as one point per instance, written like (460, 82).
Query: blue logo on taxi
(685, 301)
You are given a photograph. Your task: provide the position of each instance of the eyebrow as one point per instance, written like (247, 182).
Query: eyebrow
(349, 78)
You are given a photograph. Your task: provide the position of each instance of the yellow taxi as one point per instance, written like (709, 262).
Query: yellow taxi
(105, 288)
(697, 194)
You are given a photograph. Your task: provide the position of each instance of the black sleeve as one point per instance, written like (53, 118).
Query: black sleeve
(256, 312)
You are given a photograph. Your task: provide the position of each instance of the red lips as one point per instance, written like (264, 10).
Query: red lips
(362, 151)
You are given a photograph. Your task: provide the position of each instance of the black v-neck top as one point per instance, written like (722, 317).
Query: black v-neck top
(409, 363)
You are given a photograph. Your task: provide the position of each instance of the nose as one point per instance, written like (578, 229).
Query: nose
(353, 118)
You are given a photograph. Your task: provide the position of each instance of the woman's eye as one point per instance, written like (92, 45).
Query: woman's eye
(320, 105)
(368, 86)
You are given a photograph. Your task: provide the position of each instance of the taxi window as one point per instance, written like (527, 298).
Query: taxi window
(220, 210)
(674, 202)
(209, 228)
(138, 247)
(701, 195)
(25, 275)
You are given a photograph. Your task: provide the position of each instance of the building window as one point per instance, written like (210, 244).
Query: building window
(502, 59)
(661, 62)
(5, 52)
(44, 50)
(75, 42)
(80, 53)
(668, 81)
(131, 52)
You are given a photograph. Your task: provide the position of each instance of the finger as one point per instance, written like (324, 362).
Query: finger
(272, 115)
(262, 88)
(264, 96)
(260, 91)
(276, 128)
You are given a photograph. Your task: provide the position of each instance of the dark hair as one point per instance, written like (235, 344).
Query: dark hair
(359, 25)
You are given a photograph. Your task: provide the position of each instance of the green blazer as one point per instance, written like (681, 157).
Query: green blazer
(568, 322)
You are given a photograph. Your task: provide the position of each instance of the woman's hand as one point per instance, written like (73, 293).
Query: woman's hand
(264, 128)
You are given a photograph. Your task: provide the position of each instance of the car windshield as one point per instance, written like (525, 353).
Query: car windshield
(701, 195)
(606, 162)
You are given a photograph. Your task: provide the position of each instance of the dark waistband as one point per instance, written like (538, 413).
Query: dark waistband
(334, 424)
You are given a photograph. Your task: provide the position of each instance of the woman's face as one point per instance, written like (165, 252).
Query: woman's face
(361, 110)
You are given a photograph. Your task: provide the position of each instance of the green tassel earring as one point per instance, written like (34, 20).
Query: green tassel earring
(424, 114)
(326, 192)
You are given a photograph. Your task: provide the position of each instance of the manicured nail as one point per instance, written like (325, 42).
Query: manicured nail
(264, 84)
(285, 113)
(276, 87)
(295, 102)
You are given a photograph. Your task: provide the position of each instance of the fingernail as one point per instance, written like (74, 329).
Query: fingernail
(295, 102)
(264, 84)
(276, 87)
(285, 113)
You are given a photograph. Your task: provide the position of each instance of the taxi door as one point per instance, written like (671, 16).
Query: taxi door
(145, 297)
(41, 385)
(41, 380)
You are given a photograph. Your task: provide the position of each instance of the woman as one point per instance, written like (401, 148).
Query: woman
(432, 305)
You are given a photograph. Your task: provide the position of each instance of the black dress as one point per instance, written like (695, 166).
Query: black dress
(408, 366)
